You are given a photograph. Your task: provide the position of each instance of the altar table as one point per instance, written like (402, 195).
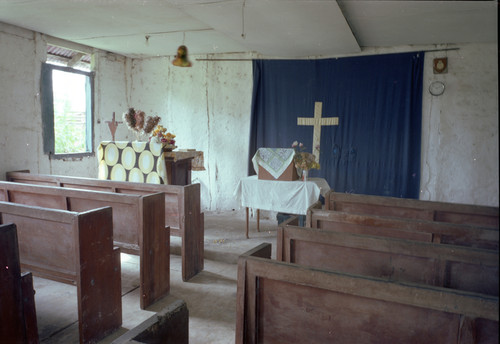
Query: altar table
(146, 162)
(137, 161)
(291, 197)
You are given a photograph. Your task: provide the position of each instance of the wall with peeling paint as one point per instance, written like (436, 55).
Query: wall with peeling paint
(208, 108)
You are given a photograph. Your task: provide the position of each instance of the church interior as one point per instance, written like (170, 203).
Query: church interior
(173, 201)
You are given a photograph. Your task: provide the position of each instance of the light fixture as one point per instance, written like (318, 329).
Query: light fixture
(181, 59)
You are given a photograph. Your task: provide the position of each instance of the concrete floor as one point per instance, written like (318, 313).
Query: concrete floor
(210, 296)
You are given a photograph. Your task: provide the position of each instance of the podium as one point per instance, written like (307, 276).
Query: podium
(179, 165)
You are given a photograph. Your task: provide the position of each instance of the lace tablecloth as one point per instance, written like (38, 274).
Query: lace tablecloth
(274, 160)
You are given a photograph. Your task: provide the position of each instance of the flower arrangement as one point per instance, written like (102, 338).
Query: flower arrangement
(304, 160)
(160, 134)
(138, 122)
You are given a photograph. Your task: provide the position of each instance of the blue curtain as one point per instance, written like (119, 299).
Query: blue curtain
(375, 148)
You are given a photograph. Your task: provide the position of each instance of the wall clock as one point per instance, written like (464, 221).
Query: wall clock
(436, 88)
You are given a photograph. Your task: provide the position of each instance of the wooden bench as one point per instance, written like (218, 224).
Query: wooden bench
(413, 229)
(74, 248)
(18, 322)
(182, 209)
(447, 266)
(289, 303)
(138, 226)
(483, 216)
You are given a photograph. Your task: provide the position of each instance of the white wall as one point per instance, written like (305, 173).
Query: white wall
(208, 108)
(460, 128)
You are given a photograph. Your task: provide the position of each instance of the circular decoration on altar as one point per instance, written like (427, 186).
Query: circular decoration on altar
(103, 170)
(128, 158)
(146, 161)
(156, 148)
(118, 173)
(136, 176)
(139, 146)
(100, 153)
(153, 178)
(161, 168)
(111, 154)
(121, 144)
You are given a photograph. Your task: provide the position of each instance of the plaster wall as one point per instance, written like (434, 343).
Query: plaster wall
(460, 128)
(208, 108)
(21, 145)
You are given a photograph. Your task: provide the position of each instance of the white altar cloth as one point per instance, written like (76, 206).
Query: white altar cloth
(291, 197)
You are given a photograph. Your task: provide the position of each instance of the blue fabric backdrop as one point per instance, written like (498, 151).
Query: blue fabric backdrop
(375, 148)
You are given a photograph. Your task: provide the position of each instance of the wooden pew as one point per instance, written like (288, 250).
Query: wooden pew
(74, 248)
(448, 266)
(138, 226)
(413, 229)
(290, 303)
(483, 216)
(182, 209)
(18, 322)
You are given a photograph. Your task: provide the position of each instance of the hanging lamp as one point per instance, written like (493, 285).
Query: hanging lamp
(181, 59)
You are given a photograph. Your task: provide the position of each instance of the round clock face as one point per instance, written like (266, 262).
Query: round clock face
(436, 88)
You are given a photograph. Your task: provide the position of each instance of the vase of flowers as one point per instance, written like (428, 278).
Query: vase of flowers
(161, 135)
(304, 161)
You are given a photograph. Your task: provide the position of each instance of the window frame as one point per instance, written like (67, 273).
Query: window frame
(47, 108)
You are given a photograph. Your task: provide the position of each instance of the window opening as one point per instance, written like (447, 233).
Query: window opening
(67, 103)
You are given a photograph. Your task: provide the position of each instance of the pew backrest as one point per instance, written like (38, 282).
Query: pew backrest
(182, 208)
(74, 248)
(448, 266)
(413, 229)
(138, 226)
(483, 216)
(289, 303)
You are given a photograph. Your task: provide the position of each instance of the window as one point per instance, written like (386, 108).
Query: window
(67, 110)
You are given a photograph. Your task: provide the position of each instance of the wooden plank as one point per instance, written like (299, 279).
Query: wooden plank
(182, 209)
(155, 250)
(193, 247)
(98, 274)
(454, 267)
(415, 229)
(483, 216)
(29, 308)
(18, 322)
(283, 302)
(170, 325)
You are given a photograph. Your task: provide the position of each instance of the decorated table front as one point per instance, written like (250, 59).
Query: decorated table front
(291, 197)
(132, 161)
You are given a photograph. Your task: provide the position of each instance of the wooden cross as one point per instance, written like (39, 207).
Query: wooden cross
(112, 126)
(317, 122)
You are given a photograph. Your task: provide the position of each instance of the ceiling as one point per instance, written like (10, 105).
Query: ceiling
(271, 28)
